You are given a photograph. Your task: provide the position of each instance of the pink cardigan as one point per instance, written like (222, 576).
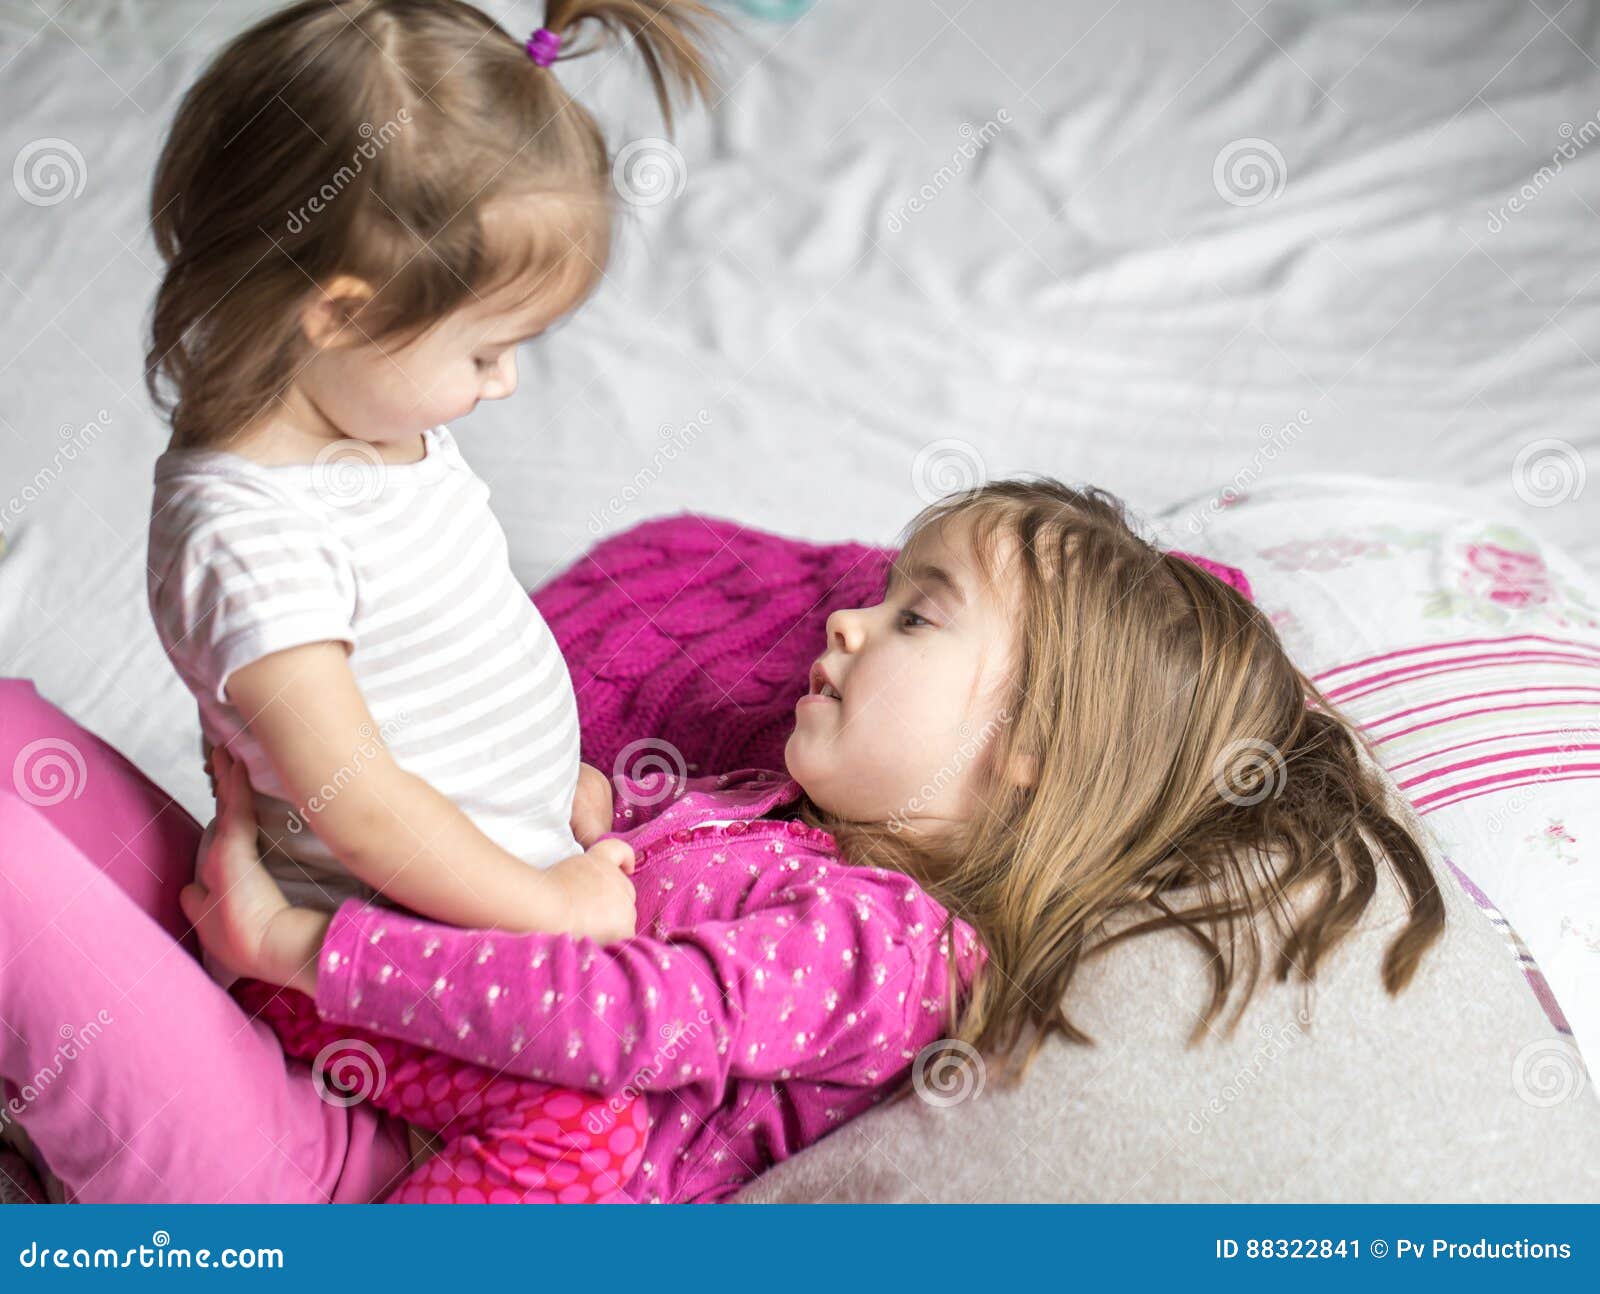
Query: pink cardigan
(773, 991)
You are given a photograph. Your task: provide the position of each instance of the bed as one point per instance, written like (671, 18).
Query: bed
(1077, 298)
(1173, 249)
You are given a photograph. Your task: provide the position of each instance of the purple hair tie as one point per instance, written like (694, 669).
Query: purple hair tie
(542, 46)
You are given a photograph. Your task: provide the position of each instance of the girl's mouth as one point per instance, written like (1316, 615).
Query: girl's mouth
(821, 685)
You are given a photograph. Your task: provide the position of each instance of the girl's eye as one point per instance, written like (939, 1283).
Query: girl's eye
(909, 615)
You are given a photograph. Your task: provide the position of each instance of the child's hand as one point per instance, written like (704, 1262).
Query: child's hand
(591, 805)
(237, 909)
(599, 897)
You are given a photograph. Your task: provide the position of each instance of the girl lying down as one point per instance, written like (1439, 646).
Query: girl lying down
(1046, 735)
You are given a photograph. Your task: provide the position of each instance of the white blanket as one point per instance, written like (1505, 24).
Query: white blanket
(914, 243)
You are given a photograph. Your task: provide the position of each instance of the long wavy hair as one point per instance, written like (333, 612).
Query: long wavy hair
(412, 145)
(1186, 775)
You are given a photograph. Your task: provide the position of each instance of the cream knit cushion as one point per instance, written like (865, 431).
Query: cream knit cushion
(1459, 1089)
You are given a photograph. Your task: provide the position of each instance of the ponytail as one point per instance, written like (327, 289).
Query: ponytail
(669, 36)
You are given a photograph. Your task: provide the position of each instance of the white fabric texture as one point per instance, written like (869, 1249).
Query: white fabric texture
(407, 565)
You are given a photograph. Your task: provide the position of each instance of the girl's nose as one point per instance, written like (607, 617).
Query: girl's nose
(845, 630)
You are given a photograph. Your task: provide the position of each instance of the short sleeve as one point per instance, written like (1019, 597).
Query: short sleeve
(236, 574)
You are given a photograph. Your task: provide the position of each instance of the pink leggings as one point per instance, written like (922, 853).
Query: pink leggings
(138, 1078)
(507, 1140)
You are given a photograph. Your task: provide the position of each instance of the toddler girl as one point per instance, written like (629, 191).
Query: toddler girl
(364, 206)
(1047, 736)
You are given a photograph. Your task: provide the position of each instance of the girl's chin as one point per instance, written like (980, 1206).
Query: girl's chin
(820, 778)
(805, 767)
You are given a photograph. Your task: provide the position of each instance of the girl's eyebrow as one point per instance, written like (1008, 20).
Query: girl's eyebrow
(925, 573)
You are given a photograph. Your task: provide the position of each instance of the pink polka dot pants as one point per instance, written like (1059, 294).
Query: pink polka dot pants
(506, 1140)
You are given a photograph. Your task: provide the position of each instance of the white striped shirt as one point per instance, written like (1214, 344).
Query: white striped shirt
(406, 564)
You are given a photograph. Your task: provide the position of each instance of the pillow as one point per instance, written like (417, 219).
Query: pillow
(685, 637)
(1468, 649)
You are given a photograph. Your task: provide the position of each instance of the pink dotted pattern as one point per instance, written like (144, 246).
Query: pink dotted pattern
(772, 991)
(507, 1140)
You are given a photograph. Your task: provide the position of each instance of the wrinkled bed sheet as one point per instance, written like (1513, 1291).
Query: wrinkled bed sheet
(1163, 247)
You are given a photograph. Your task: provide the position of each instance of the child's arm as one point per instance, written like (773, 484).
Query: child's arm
(593, 806)
(804, 989)
(822, 984)
(396, 832)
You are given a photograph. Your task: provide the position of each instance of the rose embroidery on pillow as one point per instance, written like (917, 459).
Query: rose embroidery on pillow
(1586, 933)
(1507, 576)
(1553, 839)
(1501, 578)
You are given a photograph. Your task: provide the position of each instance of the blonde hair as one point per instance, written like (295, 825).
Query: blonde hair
(370, 138)
(1186, 775)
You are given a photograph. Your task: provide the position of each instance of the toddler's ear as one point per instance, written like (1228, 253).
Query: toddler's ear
(329, 308)
(1024, 769)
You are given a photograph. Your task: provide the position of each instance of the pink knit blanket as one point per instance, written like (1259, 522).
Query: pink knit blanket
(689, 638)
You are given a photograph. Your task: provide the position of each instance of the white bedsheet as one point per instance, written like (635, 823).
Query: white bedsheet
(1071, 291)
